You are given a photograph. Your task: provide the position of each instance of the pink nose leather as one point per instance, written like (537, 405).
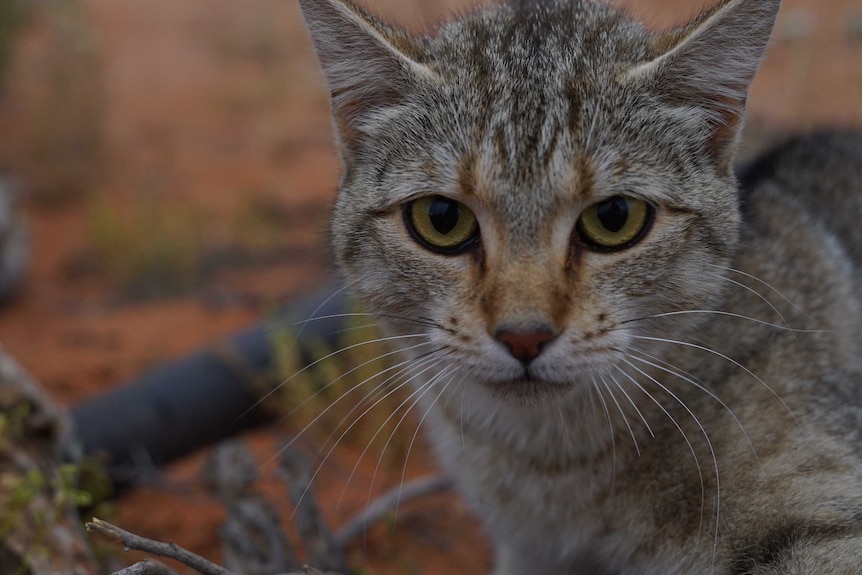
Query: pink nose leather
(525, 347)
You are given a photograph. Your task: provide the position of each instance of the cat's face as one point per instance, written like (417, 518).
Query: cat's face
(523, 189)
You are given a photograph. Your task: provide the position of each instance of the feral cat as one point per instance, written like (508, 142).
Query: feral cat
(631, 366)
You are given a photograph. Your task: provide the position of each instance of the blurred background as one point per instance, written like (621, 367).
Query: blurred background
(173, 160)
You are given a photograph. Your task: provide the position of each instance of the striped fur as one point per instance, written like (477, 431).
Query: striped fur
(680, 422)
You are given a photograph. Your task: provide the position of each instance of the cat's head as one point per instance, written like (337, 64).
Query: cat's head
(525, 185)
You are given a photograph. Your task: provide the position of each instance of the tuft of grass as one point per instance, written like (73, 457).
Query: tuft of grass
(42, 499)
(35, 498)
(260, 223)
(150, 248)
(150, 251)
(338, 391)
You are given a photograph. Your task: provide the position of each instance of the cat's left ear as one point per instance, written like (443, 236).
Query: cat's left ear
(369, 65)
(709, 64)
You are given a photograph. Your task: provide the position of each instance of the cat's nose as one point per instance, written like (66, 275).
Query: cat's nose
(525, 346)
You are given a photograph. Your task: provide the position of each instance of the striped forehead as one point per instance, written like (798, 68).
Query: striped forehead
(524, 176)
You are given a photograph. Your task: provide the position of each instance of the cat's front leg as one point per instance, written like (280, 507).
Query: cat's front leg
(508, 561)
(823, 550)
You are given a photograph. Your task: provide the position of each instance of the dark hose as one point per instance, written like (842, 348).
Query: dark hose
(196, 401)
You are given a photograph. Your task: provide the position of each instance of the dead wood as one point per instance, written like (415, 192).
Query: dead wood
(253, 540)
(169, 551)
(389, 502)
(146, 568)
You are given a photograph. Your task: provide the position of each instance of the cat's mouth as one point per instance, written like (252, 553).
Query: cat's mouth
(529, 390)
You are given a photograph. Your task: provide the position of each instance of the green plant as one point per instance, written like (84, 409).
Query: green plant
(348, 392)
(12, 423)
(260, 222)
(149, 250)
(40, 499)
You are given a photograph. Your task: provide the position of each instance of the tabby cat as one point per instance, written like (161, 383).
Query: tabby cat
(632, 363)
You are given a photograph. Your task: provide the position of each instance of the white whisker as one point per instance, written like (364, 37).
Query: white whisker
(756, 293)
(760, 281)
(320, 307)
(685, 438)
(351, 426)
(380, 388)
(322, 359)
(708, 443)
(592, 409)
(687, 377)
(728, 314)
(424, 388)
(419, 390)
(358, 367)
(416, 434)
(490, 420)
(425, 322)
(355, 328)
(731, 360)
(612, 433)
(622, 413)
(563, 426)
(461, 422)
(633, 404)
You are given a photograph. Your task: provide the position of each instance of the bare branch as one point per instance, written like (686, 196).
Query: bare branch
(253, 540)
(309, 521)
(389, 501)
(324, 548)
(146, 568)
(169, 550)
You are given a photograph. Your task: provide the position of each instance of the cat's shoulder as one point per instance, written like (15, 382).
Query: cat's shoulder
(830, 156)
(819, 173)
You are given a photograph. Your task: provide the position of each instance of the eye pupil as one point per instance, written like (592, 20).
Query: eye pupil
(444, 215)
(615, 223)
(441, 225)
(613, 213)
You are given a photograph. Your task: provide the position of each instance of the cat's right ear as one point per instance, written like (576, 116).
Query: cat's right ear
(369, 66)
(708, 65)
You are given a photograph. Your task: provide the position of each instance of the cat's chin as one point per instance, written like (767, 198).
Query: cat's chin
(529, 391)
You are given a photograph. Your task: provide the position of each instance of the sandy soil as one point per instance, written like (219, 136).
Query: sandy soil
(205, 109)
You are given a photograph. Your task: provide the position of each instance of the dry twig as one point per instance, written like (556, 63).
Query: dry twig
(169, 550)
(253, 540)
(146, 568)
(254, 536)
(319, 541)
(390, 500)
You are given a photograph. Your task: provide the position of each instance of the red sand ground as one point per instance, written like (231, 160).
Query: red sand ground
(204, 107)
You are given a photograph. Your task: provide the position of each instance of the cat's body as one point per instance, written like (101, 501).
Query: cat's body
(600, 320)
(791, 500)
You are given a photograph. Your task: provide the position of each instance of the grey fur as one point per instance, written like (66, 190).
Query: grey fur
(676, 424)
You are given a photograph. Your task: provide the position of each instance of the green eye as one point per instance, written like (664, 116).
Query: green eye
(615, 223)
(441, 224)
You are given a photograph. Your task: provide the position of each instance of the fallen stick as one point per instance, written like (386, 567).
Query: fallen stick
(168, 550)
(383, 505)
(146, 568)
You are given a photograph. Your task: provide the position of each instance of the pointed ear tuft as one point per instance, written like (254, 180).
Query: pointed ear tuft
(368, 65)
(710, 63)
